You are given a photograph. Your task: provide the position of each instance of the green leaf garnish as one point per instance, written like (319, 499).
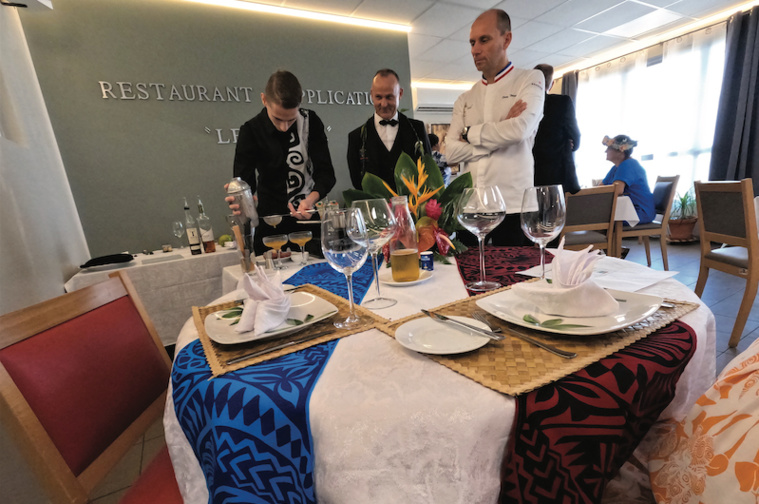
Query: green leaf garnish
(554, 323)
(308, 317)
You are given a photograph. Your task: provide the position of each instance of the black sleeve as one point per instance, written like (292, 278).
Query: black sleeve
(318, 151)
(425, 139)
(570, 122)
(245, 156)
(354, 158)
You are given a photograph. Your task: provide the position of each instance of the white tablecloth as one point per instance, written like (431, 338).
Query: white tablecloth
(625, 211)
(390, 425)
(169, 284)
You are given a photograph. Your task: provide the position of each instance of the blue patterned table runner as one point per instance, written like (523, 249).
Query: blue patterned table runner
(249, 428)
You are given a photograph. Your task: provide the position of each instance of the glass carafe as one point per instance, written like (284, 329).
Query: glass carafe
(404, 249)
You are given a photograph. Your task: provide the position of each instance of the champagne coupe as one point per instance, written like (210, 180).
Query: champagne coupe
(276, 242)
(543, 216)
(380, 226)
(300, 238)
(480, 210)
(344, 247)
(177, 227)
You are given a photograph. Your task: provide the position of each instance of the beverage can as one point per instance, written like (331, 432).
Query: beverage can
(428, 261)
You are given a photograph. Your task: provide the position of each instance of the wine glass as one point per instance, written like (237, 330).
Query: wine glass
(344, 253)
(300, 238)
(480, 210)
(380, 226)
(543, 216)
(276, 242)
(177, 227)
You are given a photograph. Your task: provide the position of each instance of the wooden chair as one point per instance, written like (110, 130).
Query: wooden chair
(664, 193)
(82, 377)
(590, 218)
(726, 216)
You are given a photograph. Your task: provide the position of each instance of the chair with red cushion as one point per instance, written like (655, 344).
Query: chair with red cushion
(82, 377)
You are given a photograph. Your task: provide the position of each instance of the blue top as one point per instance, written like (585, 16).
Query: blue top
(633, 175)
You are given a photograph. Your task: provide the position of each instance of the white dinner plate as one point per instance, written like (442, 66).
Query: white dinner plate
(633, 307)
(428, 336)
(305, 310)
(386, 277)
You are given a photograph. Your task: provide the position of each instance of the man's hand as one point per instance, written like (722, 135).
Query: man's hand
(306, 204)
(516, 110)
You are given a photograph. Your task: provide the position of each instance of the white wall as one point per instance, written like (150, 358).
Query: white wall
(41, 238)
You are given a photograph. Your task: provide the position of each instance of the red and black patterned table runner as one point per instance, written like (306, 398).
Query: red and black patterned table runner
(571, 437)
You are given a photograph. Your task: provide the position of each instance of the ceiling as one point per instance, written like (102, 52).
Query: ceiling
(558, 32)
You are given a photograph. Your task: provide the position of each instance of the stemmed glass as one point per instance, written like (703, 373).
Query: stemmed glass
(276, 242)
(177, 227)
(300, 238)
(480, 210)
(344, 247)
(380, 226)
(543, 216)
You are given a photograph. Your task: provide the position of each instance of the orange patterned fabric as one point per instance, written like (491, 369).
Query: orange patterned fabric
(712, 455)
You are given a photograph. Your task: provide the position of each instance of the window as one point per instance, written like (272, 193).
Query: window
(665, 97)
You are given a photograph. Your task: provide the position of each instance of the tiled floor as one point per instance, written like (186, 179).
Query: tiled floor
(116, 484)
(723, 292)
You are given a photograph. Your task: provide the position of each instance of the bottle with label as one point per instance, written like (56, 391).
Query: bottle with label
(206, 231)
(192, 230)
(404, 255)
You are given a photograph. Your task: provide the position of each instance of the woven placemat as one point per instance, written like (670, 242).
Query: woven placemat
(513, 366)
(218, 354)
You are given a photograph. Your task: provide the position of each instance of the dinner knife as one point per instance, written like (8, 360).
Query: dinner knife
(443, 318)
(286, 344)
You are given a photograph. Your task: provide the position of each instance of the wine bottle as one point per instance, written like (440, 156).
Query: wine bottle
(206, 231)
(192, 230)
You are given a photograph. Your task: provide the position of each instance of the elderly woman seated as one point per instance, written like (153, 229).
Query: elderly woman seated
(631, 173)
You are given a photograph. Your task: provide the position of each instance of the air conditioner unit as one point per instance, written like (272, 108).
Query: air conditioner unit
(435, 109)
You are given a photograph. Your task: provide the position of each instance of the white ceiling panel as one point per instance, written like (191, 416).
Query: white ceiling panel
(529, 9)
(444, 19)
(531, 33)
(618, 15)
(445, 51)
(558, 32)
(418, 44)
(329, 6)
(397, 11)
(561, 40)
(572, 12)
(591, 46)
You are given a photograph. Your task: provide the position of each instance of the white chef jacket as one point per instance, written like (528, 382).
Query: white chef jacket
(499, 151)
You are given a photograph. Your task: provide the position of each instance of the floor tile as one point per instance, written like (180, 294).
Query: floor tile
(122, 475)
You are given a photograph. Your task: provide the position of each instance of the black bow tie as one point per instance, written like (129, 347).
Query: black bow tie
(391, 122)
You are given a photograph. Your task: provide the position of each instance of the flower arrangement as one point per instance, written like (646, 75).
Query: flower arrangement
(431, 204)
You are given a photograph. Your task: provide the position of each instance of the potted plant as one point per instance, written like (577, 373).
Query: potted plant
(683, 218)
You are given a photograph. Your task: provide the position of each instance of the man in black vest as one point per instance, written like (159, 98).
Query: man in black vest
(376, 145)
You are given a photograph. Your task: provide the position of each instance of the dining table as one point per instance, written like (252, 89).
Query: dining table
(363, 418)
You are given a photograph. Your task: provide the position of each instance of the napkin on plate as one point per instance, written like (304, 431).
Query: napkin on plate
(571, 293)
(267, 305)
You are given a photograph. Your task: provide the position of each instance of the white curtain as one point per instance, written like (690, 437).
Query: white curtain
(41, 237)
(665, 97)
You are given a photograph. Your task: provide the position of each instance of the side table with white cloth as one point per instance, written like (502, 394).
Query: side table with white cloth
(625, 212)
(391, 425)
(169, 284)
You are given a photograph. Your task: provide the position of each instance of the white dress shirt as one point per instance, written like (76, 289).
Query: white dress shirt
(386, 132)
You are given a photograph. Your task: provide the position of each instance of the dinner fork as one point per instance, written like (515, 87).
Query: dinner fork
(521, 335)
(479, 316)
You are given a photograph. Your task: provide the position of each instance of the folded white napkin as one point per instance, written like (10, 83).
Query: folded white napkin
(267, 305)
(571, 293)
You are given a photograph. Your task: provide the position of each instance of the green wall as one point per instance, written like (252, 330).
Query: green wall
(130, 161)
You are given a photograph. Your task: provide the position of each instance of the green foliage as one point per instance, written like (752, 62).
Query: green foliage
(684, 206)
